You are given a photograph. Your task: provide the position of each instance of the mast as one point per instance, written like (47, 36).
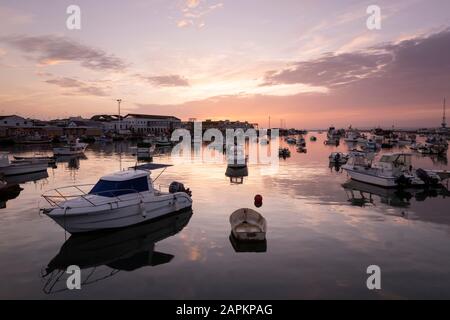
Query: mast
(444, 120)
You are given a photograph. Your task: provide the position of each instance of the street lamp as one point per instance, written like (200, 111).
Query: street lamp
(119, 101)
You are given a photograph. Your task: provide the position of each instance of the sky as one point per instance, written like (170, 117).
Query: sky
(304, 63)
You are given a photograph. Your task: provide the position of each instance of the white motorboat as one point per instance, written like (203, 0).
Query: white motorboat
(370, 145)
(118, 200)
(352, 135)
(71, 149)
(391, 170)
(248, 225)
(8, 168)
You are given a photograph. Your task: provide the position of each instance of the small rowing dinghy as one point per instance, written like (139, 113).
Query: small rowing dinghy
(248, 225)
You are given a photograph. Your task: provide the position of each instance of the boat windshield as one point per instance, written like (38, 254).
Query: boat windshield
(106, 188)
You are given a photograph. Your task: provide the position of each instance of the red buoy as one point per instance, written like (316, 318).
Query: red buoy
(258, 200)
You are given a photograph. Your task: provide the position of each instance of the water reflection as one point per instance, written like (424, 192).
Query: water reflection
(361, 194)
(24, 178)
(236, 175)
(126, 249)
(240, 246)
(8, 192)
(73, 162)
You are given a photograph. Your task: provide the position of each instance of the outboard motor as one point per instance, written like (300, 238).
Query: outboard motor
(179, 187)
(426, 178)
(403, 181)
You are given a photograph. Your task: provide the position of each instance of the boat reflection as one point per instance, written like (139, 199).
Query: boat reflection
(236, 175)
(73, 162)
(361, 194)
(126, 249)
(240, 246)
(8, 191)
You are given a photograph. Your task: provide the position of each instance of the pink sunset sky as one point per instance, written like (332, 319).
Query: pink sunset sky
(309, 63)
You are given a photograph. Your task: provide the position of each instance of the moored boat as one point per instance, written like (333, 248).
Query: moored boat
(117, 200)
(8, 168)
(391, 170)
(71, 149)
(248, 225)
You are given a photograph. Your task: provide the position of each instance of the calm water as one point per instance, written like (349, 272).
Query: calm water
(319, 240)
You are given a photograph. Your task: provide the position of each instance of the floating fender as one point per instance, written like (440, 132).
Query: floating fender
(142, 208)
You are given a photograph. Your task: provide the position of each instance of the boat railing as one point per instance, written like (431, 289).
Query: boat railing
(56, 197)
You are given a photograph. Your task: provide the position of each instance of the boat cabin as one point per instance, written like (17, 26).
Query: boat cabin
(123, 182)
(395, 162)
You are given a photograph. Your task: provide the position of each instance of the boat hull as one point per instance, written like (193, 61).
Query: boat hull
(15, 170)
(118, 215)
(386, 182)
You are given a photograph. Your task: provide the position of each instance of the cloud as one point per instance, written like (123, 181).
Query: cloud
(330, 70)
(49, 49)
(399, 83)
(192, 3)
(194, 11)
(165, 81)
(81, 87)
(390, 64)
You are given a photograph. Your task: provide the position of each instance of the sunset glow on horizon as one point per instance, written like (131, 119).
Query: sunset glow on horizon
(306, 64)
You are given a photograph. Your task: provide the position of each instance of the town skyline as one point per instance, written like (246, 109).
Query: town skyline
(307, 65)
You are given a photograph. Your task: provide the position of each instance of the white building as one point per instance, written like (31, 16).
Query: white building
(140, 124)
(14, 121)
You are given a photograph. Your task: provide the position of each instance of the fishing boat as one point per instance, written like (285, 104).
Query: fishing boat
(117, 200)
(291, 140)
(352, 135)
(391, 170)
(338, 158)
(8, 168)
(163, 141)
(370, 145)
(284, 152)
(37, 157)
(248, 225)
(71, 149)
(301, 141)
(331, 142)
(145, 149)
(301, 149)
(333, 134)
